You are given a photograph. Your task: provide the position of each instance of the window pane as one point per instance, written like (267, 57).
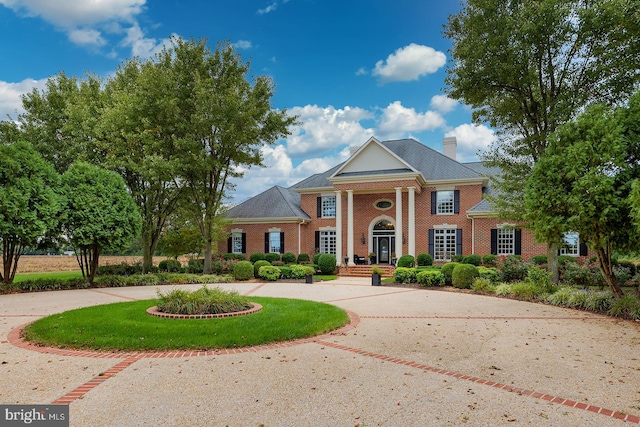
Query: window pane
(444, 244)
(328, 242)
(571, 244)
(236, 246)
(444, 202)
(328, 206)
(274, 242)
(506, 241)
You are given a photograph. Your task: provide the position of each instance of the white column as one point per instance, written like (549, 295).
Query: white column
(398, 222)
(339, 258)
(350, 226)
(412, 221)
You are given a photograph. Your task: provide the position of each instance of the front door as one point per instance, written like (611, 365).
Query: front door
(383, 249)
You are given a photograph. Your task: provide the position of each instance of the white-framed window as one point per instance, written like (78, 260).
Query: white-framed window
(328, 242)
(571, 244)
(444, 243)
(506, 241)
(444, 202)
(236, 242)
(328, 206)
(274, 242)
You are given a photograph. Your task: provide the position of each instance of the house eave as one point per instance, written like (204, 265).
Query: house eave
(462, 181)
(482, 214)
(380, 178)
(271, 220)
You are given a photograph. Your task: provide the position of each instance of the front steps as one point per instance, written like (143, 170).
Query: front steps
(364, 271)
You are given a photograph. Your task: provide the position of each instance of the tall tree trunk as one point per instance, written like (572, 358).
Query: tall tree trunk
(606, 269)
(147, 254)
(207, 243)
(11, 252)
(552, 262)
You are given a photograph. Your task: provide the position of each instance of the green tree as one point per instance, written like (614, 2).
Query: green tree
(29, 205)
(526, 67)
(230, 117)
(583, 182)
(99, 214)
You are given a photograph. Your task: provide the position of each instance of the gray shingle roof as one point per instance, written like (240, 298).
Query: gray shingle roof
(319, 180)
(276, 202)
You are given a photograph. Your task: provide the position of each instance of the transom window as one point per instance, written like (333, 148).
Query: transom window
(506, 241)
(236, 242)
(571, 244)
(444, 243)
(328, 242)
(328, 206)
(274, 242)
(444, 202)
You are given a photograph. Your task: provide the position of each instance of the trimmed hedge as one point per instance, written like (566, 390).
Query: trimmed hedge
(243, 270)
(257, 265)
(407, 261)
(404, 275)
(472, 259)
(288, 258)
(430, 278)
(256, 256)
(327, 263)
(269, 272)
(463, 275)
(272, 257)
(170, 265)
(490, 260)
(447, 271)
(539, 259)
(424, 260)
(302, 258)
(489, 273)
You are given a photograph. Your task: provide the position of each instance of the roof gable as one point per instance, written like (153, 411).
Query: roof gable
(373, 157)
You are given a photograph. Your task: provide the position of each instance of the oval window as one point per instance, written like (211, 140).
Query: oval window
(383, 204)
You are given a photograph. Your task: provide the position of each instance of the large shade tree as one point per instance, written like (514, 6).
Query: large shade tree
(528, 66)
(98, 214)
(29, 205)
(583, 182)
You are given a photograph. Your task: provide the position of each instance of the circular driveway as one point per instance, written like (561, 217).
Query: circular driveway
(412, 357)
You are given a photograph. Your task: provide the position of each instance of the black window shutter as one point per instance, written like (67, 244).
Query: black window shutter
(494, 241)
(456, 201)
(432, 251)
(434, 195)
(319, 207)
(244, 243)
(316, 245)
(584, 251)
(459, 241)
(517, 244)
(282, 242)
(266, 243)
(229, 244)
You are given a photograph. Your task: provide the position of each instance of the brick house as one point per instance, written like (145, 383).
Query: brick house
(389, 198)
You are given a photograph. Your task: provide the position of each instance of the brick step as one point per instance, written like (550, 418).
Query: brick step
(364, 271)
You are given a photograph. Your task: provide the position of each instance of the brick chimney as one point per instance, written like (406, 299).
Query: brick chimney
(449, 145)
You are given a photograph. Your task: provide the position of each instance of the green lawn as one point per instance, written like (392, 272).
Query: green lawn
(63, 275)
(126, 326)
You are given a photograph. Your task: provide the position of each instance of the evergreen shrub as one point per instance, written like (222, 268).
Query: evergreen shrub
(463, 275)
(430, 278)
(257, 265)
(407, 261)
(272, 257)
(472, 259)
(327, 263)
(243, 270)
(447, 271)
(288, 258)
(256, 256)
(424, 260)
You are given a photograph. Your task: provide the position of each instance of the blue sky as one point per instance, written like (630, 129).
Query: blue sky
(350, 69)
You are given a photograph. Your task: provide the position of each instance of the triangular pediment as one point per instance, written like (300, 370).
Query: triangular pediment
(373, 157)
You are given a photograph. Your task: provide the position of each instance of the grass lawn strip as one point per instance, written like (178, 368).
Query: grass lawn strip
(127, 327)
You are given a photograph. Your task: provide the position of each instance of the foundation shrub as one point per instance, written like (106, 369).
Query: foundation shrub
(582, 275)
(170, 265)
(404, 275)
(540, 277)
(269, 272)
(512, 268)
(490, 260)
(195, 266)
(285, 272)
(272, 257)
(407, 261)
(257, 265)
(243, 270)
(430, 278)
(622, 273)
(527, 291)
(316, 257)
(288, 258)
(457, 258)
(463, 275)
(447, 271)
(298, 271)
(489, 273)
(566, 259)
(472, 259)
(539, 259)
(482, 285)
(303, 258)
(327, 263)
(424, 260)
(256, 256)
(122, 269)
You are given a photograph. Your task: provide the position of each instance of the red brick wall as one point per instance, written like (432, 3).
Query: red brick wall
(255, 236)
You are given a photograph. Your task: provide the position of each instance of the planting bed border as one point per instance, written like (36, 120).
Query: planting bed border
(153, 311)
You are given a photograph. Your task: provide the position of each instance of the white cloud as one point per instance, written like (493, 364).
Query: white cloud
(243, 44)
(471, 139)
(142, 46)
(409, 63)
(361, 72)
(87, 37)
(73, 14)
(443, 103)
(325, 128)
(397, 121)
(273, 6)
(10, 102)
